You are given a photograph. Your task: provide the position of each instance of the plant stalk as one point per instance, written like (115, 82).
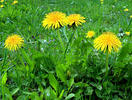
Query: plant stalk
(60, 39)
(107, 59)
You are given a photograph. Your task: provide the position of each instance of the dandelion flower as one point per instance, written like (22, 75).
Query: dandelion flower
(127, 33)
(54, 19)
(101, 1)
(14, 42)
(126, 9)
(130, 16)
(14, 2)
(2, 1)
(75, 19)
(90, 34)
(1, 6)
(107, 41)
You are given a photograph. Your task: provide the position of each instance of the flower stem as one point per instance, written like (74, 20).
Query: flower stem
(5, 57)
(107, 59)
(60, 39)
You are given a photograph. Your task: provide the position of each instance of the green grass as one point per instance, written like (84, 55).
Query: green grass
(43, 70)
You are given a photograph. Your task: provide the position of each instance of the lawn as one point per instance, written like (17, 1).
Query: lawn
(84, 57)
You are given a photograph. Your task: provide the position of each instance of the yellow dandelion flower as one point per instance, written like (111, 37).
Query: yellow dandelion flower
(2, 1)
(1, 6)
(54, 19)
(14, 2)
(14, 42)
(101, 1)
(126, 9)
(107, 41)
(127, 33)
(90, 34)
(75, 19)
(130, 16)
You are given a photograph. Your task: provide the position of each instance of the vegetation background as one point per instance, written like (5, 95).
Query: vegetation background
(43, 70)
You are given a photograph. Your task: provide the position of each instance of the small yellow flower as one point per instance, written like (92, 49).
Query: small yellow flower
(130, 16)
(90, 34)
(75, 19)
(14, 42)
(14, 2)
(1, 6)
(2, 1)
(126, 9)
(127, 33)
(107, 41)
(54, 19)
(101, 1)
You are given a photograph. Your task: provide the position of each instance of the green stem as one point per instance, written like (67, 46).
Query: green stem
(69, 43)
(90, 97)
(107, 59)
(60, 40)
(39, 45)
(64, 32)
(5, 56)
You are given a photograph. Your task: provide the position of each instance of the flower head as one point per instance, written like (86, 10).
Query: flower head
(2, 1)
(107, 41)
(130, 16)
(90, 34)
(101, 1)
(14, 42)
(75, 19)
(126, 9)
(54, 19)
(14, 2)
(1, 6)
(127, 33)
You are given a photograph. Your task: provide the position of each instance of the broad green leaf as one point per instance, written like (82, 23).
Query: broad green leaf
(22, 97)
(80, 84)
(49, 94)
(70, 96)
(125, 50)
(4, 78)
(61, 73)
(8, 94)
(27, 93)
(89, 90)
(27, 58)
(53, 82)
(61, 94)
(70, 83)
(35, 96)
(98, 93)
(15, 91)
